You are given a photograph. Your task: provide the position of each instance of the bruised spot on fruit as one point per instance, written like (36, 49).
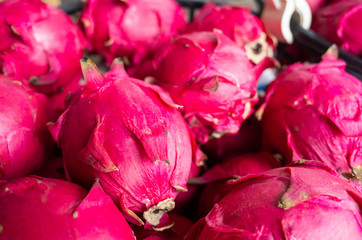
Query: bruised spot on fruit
(154, 214)
(75, 214)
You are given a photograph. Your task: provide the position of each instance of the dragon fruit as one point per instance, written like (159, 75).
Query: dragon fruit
(313, 111)
(53, 168)
(232, 168)
(247, 140)
(131, 29)
(240, 25)
(215, 84)
(34, 47)
(43, 208)
(316, 4)
(176, 232)
(132, 137)
(306, 201)
(25, 142)
(338, 22)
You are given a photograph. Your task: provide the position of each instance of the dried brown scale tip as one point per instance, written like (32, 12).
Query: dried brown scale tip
(154, 214)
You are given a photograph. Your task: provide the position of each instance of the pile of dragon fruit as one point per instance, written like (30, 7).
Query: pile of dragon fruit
(129, 120)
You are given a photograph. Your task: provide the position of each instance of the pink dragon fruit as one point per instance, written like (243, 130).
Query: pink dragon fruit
(176, 232)
(53, 168)
(316, 4)
(240, 25)
(247, 140)
(232, 168)
(131, 29)
(313, 111)
(36, 49)
(132, 137)
(37, 208)
(303, 202)
(339, 22)
(215, 84)
(25, 142)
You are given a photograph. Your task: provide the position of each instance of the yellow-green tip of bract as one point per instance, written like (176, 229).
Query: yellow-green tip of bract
(92, 75)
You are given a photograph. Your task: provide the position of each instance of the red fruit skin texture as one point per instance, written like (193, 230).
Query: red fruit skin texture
(113, 27)
(129, 135)
(313, 111)
(25, 142)
(212, 78)
(232, 168)
(339, 22)
(44, 208)
(308, 201)
(239, 24)
(36, 49)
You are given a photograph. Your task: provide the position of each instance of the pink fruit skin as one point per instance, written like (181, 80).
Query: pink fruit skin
(53, 168)
(177, 232)
(212, 78)
(316, 4)
(44, 208)
(36, 49)
(247, 140)
(232, 168)
(339, 22)
(132, 137)
(25, 142)
(313, 111)
(303, 202)
(239, 24)
(113, 27)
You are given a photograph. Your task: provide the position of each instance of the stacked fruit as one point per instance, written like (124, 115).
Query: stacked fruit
(172, 139)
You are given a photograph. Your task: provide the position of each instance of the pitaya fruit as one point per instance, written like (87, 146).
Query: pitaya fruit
(44, 208)
(177, 232)
(53, 168)
(131, 29)
(25, 142)
(303, 202)
(316, 4)
(35, 48)
(247, 140)
(212, 78)
(240, 25)
(232, 168)
(338, 22)
(313, 111)
(132, 137)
